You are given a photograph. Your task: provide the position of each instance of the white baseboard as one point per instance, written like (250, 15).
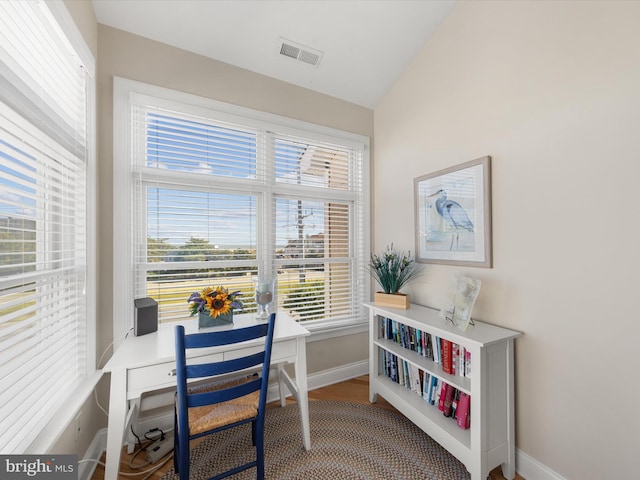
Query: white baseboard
(531, 469)
(526, 466)
(92, 455)
(337, 375)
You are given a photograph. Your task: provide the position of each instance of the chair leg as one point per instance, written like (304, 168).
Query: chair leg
(259, 443)
(176, 455)
(181, 458)
(253, 433)
(176, 447)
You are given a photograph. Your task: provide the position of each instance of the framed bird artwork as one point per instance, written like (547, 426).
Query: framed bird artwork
(453, 215)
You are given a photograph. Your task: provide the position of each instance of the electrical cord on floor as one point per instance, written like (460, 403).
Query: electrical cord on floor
(154, 430)
(150, 472)
(141, 448)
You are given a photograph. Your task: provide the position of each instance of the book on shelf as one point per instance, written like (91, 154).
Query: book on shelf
(401, 367)
(461, 357)
(426, 384)
(388, 363)
(428, 346)
(443, 395)
(436, 349)
(446, 356)
(414, 374)
(394, 367)
(455, 349)
(454, 402)
(433, 391)
(407, 379)
(463, 411)
(412, 339)
(467, 363)
(448, 400)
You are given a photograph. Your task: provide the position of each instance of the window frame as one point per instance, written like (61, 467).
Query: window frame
(125, 91)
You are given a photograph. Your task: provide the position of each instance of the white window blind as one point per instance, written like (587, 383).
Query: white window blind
(218, 198)
(43, 221)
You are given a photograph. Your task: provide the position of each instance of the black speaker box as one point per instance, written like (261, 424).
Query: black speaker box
(145, 319)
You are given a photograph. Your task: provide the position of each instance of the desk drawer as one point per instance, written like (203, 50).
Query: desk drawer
(153, 377)
(286, 350)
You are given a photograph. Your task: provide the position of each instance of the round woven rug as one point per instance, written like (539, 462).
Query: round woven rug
(349, 441)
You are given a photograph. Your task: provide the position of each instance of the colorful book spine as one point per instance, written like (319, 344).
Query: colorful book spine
(467, 363)
(433, 391)
(394, 368)
(454, 403)
(443, 395)
(462, 352)
(455, 354)
(448, 400)
(463, 412)
(426, 384)
(446, 356)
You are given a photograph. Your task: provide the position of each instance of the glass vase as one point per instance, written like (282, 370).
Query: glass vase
(264, 290)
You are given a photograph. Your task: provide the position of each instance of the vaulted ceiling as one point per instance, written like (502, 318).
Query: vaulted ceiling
(350, 49)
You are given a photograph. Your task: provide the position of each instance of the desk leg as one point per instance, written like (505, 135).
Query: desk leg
(281, 374)
(303, 393)
(115, 429)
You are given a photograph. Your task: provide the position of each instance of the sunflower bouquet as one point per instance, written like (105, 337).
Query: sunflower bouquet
(214, 301)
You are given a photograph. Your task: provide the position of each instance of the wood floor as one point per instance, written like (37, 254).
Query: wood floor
(354, 390)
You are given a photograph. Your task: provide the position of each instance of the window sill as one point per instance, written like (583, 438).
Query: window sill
(65, 415)
(327, 331)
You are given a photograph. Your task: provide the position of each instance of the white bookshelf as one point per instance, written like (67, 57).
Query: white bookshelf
(490, 440)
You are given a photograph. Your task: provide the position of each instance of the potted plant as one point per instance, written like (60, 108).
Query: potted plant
(393, 270)
(214, 306)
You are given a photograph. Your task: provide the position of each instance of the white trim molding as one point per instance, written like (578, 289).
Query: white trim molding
(531, 469)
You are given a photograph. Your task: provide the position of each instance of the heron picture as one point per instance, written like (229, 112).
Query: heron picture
(453, 215)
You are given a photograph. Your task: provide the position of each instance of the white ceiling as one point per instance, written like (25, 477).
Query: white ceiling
(366, 44)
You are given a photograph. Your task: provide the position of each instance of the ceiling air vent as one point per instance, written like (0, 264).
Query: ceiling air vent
(299, 52)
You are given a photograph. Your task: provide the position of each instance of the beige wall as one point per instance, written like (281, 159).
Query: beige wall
(551, 90)
(85, 19)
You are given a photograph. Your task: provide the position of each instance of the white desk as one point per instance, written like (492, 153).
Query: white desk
(147, 363)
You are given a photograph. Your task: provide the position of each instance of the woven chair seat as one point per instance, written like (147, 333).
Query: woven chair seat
(208, 417)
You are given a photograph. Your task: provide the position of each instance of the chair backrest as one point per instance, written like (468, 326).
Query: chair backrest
(203, 370)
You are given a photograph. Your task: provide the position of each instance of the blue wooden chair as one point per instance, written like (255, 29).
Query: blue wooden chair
(214, 407)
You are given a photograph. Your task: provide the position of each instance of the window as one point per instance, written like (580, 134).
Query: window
(217, 195)
(46, 319)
